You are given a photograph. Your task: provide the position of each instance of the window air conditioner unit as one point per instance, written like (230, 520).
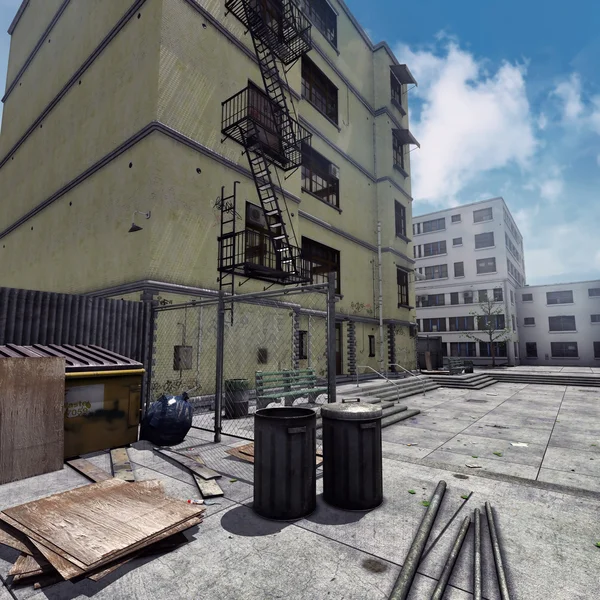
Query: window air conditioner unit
(334, 171)
(434, 328)
(255, 216)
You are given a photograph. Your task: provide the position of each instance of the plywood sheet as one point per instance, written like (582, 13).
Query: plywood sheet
(29, 566)
(31, 417)
(208, 488)
(15, 539)
(89, 469)
(189, 463)
(121, 465)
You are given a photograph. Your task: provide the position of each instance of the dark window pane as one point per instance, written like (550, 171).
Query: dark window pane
(319, 90)
(434, 248)
(322, 260)
(562, 323)
(303, 345)
(486, 265)
(434, 225)
(529, 320)
(457, 241)
(436, 272)
(527, 297)
(531, 349)
(564, 349)
(484, 240)
(317, 177)
(596, 349)
(456, 218)
(483, 296)
(324, 18)
(400, 215)
(563, 297)
(498, 295)
(402, 281)
(398, 150)
(371, 345)
(592, 292)
(595, 318)
(485, 214)
(459, 269)
(454, 298)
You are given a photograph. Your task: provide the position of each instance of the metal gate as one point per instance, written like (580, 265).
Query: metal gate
(286, 337)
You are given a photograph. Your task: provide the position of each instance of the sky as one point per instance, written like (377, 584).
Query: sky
(507, 104)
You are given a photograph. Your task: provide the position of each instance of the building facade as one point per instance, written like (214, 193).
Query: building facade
(465, 256)
(157, 107)
(559, 324)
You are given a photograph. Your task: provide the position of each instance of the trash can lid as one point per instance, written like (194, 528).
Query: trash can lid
(351, 411)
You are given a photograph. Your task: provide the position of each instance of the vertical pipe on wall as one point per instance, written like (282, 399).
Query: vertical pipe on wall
(380, 299)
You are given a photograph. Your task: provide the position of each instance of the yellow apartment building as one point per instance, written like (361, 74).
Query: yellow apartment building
(159, 106)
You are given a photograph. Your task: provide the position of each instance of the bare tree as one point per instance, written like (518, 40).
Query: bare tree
(487, 319)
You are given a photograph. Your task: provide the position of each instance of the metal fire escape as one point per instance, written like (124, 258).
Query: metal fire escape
(272, 138)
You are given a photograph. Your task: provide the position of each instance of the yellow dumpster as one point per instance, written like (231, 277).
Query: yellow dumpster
(102, 395)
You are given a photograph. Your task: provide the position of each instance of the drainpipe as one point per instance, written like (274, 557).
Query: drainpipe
(380, 301)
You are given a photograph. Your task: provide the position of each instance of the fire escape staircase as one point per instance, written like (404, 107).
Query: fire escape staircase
(261, 122)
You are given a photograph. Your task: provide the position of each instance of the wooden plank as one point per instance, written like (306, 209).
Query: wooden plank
(120, 464)
(27, 566)
(208, 488)
(119, 518)
(235, 452)
(65, 568)
(31, 417)
(15, 539)
(193, 452)
(190, 463)
(89, 469)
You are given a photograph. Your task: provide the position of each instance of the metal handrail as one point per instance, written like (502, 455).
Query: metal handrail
(410, 373)
(380, 375)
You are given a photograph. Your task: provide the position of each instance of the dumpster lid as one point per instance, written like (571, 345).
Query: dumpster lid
(351, 411)
(78, 358)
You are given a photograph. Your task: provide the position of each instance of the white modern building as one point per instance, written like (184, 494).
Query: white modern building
(466, 255)
(559, 324)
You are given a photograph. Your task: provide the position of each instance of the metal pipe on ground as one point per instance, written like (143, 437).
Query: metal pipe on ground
(440, 588)
(502, 583)
(411, 563)
(477, 557)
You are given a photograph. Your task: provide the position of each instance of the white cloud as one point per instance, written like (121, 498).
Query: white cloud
(569, 93)
(551, 189)
(470, 122)
(542, 122)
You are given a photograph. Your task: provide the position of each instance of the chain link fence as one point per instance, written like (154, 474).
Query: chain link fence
(236, 355)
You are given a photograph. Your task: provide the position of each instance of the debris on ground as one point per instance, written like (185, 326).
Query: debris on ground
(110, 523)
(246, 453)
(497, 453)
(520, 444)
(411, 492)
(473, 466)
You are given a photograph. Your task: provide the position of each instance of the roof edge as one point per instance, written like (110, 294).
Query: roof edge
(15, 21)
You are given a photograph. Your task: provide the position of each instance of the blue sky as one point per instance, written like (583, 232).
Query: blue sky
(508, 104)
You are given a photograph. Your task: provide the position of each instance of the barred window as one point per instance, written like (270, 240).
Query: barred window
(323, 260)
(317, 177)
(323, 17)
(319, 90)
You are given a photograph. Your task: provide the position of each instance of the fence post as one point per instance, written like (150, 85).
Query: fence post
(331, 350)
(149, 332)
(219, 366)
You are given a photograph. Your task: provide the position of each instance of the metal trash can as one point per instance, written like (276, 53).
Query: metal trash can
(236, 398)
(285, 478)
(352, 461)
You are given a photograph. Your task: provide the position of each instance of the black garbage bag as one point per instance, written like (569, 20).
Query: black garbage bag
(167, 421)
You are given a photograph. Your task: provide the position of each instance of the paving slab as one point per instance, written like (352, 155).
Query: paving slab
(577, 480)
(403, 451)
(572, 461)
(575, 440)
(512, 434)
(545, 423)
(425, 438)
(424, 421)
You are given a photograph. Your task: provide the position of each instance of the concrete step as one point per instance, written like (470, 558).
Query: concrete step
(392, 395)
(476, 381)
(387, 421)
(548, 380)
(407, 383)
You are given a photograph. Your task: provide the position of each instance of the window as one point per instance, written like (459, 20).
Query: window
(457, 241)
(483, 295)
(396, 87)
(371, 345)
(514, 272)
(485, 214)
(416, 228)
(436, 272)
(512, 248)
(319, 90)
(431, 300)
(434, 248)
(468, 297)
(529, 321)
(444, 349)
(562, 323)
(485, 349)
(593, 292)
(531, 349)
(463, 349)
(564, 297)
(454, 298)
(497, 320)
(400, 215)
(398, 151)
(456, 218)
(318, 177)
(486, 265)
(323, 17)
(498, 295)
(516, 349)
(514, 322)
(512, 297)
(564, 349)
(462, 323)
(513, 229)
(432, 325)
(323, 260)
(302, 345)
(434, 225)
(459, 269)
(595, 318)
(527, 297)
(484, 240)
(596, 349)
(402, 280)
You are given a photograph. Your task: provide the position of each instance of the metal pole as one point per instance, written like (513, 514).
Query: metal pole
(381, 341)
(477, 558)
(331, 341)
(502, 583)
(411, 563)
(440, 588)
(219, 366)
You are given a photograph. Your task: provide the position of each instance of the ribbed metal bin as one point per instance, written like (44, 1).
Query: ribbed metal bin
(352, 461)
(285, 482)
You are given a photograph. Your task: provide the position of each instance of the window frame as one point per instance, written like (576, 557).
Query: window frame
(553, 319)
(548, 302)
(398, 152)
(315, 172)
(480, 236)
(453, 220)
(596, 347)
(441, 220)
(454, 295)
(501, 349)
(464, 323)
(498, 297)
(461, 269)
(309, 252)
(460, 242)
(442, 268)
(434, 321)
(400, 219)
(528, 349)
(402, 282)
(489, 209)
(318, 90)
(479, 260)
(597, 320)
(482, 296)
(316, 12)
(396, 93)
(556, 345)
(431, 246)
(523, 298)
(526, 324)
(596, 293)
(371, 346)
(467, 345)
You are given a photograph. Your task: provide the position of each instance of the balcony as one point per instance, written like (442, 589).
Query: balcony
(279, 24)
(251, 253)
(253, 120)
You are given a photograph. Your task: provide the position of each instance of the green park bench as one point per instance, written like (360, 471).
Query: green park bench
(272, 386)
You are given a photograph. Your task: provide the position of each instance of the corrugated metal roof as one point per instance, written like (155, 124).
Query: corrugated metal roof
(78, 358)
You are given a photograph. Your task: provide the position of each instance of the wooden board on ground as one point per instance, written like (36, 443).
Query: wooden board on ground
(89, 469)
(120, 464)
(29, 566)
(120, 518)
(193, 452)
(9, 536)
(208, 488)
(189, 463)
(32, 421)
(246, 453)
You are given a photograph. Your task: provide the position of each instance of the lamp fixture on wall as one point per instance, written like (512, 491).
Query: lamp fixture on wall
(135, 227)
